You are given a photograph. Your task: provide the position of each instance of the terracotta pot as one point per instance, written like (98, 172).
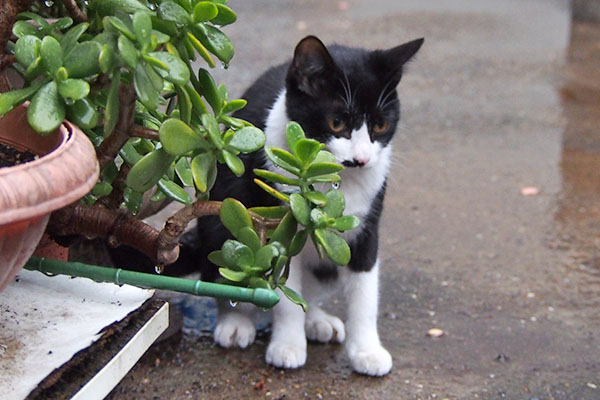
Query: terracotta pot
(66, 170)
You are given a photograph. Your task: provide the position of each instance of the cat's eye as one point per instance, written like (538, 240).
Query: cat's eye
(381, 127)
(336, 124)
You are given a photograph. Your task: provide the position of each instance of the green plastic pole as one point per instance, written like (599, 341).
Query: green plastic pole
(261, 297)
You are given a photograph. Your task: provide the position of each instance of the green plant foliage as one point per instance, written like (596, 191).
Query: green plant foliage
(85, 72)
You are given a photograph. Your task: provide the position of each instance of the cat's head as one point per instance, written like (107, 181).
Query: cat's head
(346, 97)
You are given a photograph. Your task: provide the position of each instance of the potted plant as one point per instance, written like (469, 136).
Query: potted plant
(123, 72)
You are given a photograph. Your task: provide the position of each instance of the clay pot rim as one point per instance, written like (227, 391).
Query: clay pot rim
(70, 136)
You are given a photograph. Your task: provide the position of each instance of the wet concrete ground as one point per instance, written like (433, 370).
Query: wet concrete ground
(504, 95)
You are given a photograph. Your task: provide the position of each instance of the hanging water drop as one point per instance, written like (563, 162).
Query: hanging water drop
(224, 65)
(335, 185)
(159, 269)
(233, 303)
(48, 3)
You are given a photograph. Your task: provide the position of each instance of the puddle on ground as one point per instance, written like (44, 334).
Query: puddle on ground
(579, 199)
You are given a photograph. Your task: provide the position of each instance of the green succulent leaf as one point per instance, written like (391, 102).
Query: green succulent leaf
(265, 256)
(133, 200)
(197, 102)
(144, 87)
(215, 41)
(82, 60)
(335, 203)
(286, 230)
(70, 38)
(128, 52)
(283, 159)
(234, 216)
(256, 283)
(298, 242)
(129, 154)
(170, 11)
(208, 89)
(62, 23)
(184, 171)
(46, 110)
(142, 27)
(216, 257)
(111, 113)
(75, 89)
(334, 245)
(205, 11)
(273, 212)
(324, 157)
(237, 255)
(316, 169)
(102, 189)
(177, 72)
(293, 133)
(346, 223)
(174, 191)
(9, 100)
(307, 150)
(294, 297)
(83, 114)
(300, 209)
(149, 170)
(52, 54)
(192, 41)
(27, 49)
(211, 125)
(235, 164)
(110, 7)
(274, 177)
(234, 105)
(35, 69)
(249, 237)
(248, 139)
(23, 28)
(178, 138)
(121, 27)
(106, 58)
(273, 192)
(316, 198)
(234, 276)
(204, 171)
(226, 16)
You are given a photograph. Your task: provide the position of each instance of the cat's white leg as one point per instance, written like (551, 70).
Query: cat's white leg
(287, 348)
(366, 353)
(235, 327)
(320, 326)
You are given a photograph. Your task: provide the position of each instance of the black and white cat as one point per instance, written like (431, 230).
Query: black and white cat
(346, 98)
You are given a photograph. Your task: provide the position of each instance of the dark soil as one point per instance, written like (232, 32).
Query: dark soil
(10, 156)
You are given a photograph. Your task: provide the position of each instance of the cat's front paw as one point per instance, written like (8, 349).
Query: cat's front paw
(370, 360)
(286, 354)
(235, 330)
(324, 328)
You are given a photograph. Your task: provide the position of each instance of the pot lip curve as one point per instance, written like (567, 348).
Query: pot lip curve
(71, 137)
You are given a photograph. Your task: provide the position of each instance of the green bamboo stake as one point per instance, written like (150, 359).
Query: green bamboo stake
(265, 298)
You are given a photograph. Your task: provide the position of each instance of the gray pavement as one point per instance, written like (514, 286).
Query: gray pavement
(503, 96)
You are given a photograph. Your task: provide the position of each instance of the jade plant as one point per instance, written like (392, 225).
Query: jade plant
(126, 73)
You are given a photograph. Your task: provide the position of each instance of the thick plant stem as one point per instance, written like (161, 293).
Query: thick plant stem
(75, 11)
(117, 228)
(110, 147)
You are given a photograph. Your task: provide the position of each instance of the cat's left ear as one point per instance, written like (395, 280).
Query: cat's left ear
(396, 57)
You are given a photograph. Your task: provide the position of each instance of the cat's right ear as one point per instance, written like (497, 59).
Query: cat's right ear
(312, 66)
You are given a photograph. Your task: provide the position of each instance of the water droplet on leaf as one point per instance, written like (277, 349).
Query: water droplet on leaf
(335, 185)
(159, 269)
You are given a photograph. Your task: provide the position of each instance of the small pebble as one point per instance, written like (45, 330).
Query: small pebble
(435, 332)
(530, 191)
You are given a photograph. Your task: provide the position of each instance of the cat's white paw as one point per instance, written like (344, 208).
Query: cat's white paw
(286, 354)
(370, 360)
(323, 327)
(234, 330)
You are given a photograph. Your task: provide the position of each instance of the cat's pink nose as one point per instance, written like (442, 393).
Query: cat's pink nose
(362, 160)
